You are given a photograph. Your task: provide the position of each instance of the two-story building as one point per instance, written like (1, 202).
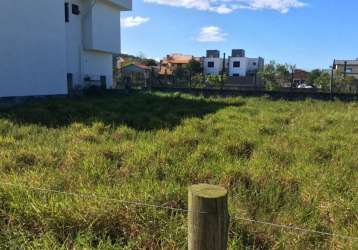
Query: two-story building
(48, 47)
(240, 65)
(347, 67)
(235, 65)
(212, 63)
(174, 61)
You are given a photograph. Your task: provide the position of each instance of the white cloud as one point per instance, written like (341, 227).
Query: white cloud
(129, 22)
(211, 34)
(228, 6)
(282, 6)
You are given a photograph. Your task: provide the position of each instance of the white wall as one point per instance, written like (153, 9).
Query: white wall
(241, 71)
(123, 4)
(32, 48)
(38, 48)
(216, 70)
(74, 43)
(102, 28)
(96, 64)
(252, 63)
(91, 40)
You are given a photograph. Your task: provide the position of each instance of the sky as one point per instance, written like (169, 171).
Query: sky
(307, 33)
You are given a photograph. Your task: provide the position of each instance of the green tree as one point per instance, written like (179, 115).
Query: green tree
(149, 62)
(268, 75)
(180, 74)
(323, 80)
(314, 75)
(282, 74)
(193, 67)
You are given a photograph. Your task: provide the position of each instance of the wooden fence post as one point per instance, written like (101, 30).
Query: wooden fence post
(208, 218)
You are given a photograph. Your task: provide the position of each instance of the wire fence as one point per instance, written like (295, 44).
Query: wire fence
(164, 207)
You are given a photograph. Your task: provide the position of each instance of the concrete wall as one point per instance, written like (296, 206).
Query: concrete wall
(32, 48)
(247, 65)
(38, 48)
(74, 43)
(241, 71)
(96, 64)
(218, 66)
(106, 30)
(354, 68)
(91, 38)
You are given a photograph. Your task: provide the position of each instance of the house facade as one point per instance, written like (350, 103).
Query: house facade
(48, 47)
(236, 65)
(212, 63)
(300, 77)
(347, 67)
(240, 65)
(174, 61)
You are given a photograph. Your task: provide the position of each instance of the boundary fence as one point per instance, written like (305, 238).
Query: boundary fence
(287, 94)
(208, 216)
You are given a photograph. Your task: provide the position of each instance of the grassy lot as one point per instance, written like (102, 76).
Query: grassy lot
(294, 163)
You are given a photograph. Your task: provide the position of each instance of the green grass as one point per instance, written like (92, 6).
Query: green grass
(292, 163)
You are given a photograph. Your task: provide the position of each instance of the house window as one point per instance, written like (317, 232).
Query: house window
(75, 9)
(236, 64)
(67, 13)
(349, 70)
(254, 64)
(211, 64)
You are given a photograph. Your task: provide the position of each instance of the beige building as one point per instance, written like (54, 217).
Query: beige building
(349, 67)
(174, 61)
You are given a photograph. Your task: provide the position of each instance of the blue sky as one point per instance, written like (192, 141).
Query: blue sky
(308, 33)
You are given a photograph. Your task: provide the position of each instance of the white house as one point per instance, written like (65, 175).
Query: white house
(49, 46)
(235, 65)
(212, 63)
(240, 65)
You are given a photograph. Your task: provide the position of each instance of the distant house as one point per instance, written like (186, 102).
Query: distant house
(347, 67)
(49, 47)
(174, 61)
(136, 73)
(236, 65)
(240, 65)
(300, 77)
(212, 63)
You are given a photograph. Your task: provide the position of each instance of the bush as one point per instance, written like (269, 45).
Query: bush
(93, 90)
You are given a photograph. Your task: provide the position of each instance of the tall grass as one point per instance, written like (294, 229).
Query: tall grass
(283, 162)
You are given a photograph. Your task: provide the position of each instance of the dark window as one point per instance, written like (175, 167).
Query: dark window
(67, 13)
(254, 64)
(75, 9)
(236, 64)
(211, 64)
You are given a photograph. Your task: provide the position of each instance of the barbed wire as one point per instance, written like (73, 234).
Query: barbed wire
(143, 204)
(289, 227)
(93, 196)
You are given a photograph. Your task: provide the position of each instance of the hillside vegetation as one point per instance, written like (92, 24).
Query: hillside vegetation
(292, 163)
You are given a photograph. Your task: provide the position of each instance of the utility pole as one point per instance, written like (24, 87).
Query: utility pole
(331, 82)
(222, 72)
(293, 69)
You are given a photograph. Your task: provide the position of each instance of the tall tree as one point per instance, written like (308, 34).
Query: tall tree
(193, 67)
(282, 74)
(268, 75)
(314, 75)
(322, 80)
